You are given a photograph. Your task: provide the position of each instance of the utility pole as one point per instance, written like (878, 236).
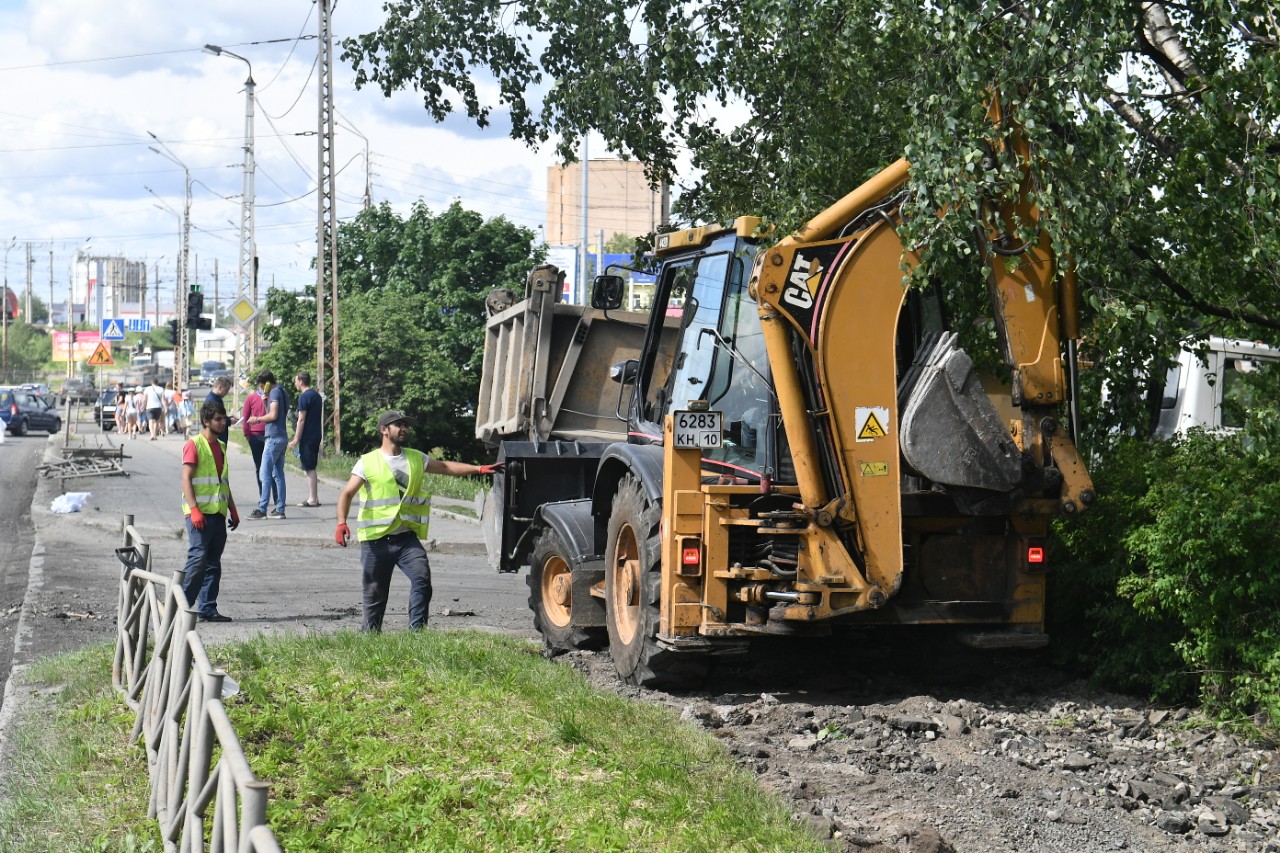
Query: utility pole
(180, 369)
(581, 289)
(4, 314)
(27, 308)
(327, 377)
(49, 319)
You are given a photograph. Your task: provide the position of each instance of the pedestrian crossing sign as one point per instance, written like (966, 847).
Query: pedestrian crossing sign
(112, 329)
(101, 356)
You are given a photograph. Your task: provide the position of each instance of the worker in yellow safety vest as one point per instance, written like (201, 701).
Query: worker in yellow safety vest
(394, 511)
(210, 511)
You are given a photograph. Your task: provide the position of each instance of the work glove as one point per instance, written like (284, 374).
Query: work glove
(197, 518)
(342, 534)
(493, 468)
(235, 519)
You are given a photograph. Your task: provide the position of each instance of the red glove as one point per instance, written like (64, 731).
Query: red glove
(342, 534)
(197, 518)
(493, 468)
(235, 519)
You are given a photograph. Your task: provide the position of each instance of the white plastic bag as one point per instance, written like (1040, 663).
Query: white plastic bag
(70, 502)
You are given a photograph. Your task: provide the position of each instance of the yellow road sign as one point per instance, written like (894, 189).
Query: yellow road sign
(101, 356)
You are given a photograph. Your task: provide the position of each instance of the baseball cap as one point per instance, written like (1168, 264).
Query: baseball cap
(392, 416)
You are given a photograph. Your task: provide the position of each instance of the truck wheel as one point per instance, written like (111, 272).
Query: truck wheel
(632, 586)
(551, 597)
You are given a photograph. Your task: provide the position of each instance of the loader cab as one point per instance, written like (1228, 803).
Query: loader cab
(704, 342)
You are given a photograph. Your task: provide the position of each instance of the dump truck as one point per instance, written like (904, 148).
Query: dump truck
(789, 442)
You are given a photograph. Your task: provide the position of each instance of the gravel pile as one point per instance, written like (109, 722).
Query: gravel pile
(1019, 759)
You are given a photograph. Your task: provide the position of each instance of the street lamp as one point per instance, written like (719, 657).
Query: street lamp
(4, 371)
(71, 320)
(180, 357)
(247, 272)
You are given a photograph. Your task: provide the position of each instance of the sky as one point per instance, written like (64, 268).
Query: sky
(85, 82)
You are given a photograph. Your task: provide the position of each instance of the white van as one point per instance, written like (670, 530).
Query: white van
(1194, 390)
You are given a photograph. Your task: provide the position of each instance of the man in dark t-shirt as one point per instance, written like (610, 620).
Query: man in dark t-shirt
(307, 435)
(218, 394)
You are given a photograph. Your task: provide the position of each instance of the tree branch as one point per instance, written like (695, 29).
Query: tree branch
(1191, 299)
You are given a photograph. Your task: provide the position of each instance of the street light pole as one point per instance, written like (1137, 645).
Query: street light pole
(247, 272)
(71, 320)
(4, 371)
(180, 369)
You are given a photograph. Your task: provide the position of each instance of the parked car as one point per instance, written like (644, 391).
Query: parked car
(38, 388)
(23, 410)
(209, 371)
(104, 411)
(80, 390)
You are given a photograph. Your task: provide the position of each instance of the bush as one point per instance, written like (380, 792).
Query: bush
(1176, 572)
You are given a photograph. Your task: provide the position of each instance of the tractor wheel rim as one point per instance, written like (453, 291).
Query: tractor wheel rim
(626, 586)
(557, 591)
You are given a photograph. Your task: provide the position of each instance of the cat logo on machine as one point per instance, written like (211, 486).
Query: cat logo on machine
(803, 281)
(871, 422)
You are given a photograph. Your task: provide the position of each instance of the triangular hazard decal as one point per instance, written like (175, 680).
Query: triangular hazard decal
(872, 428)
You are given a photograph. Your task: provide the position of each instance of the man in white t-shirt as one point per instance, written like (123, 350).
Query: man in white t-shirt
(153, 402)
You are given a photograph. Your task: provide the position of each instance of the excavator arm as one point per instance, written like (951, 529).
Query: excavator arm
(829, 297)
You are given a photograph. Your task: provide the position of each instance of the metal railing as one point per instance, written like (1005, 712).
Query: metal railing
(164, 675)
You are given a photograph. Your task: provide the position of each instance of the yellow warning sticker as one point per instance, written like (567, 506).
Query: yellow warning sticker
(872, 422)
(874, 469)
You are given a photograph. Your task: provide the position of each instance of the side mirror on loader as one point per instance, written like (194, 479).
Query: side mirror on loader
(606, 292)
(624, 372)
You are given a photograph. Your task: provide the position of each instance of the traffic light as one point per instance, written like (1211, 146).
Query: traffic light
(195, 307)
(173, 331)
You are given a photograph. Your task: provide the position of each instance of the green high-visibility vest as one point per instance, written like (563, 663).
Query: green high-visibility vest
(383, 508)
(211, 487)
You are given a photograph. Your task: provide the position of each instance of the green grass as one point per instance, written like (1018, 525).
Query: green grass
(75, 783)
(425, 741)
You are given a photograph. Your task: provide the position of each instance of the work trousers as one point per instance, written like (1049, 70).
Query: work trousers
(204, 564)
(271, 474)
(377, 558)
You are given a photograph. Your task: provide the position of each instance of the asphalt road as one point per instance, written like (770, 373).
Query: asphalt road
(18, 459)
(278, 576)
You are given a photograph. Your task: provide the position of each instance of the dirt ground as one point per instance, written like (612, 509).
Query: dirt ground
(974, 752)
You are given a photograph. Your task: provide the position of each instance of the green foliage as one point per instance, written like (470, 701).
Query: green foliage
(30, 348)
(411, 324)
(1094, 629)
(1185, 532)
(1153, 127)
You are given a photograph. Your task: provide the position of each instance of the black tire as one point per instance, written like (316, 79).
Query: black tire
(632, 585)
(551, 597)
(21, 428)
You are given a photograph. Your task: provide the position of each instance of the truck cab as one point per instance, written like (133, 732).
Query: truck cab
(1206, 387)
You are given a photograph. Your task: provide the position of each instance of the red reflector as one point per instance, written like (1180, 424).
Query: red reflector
(690, 555)
(1035, 554)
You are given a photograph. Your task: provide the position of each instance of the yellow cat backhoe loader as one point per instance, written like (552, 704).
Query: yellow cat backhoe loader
(792, 440)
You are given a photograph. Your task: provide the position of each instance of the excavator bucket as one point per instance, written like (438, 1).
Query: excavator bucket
(950, 433)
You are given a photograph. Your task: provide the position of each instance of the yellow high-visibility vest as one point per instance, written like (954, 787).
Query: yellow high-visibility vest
(383, 508)
(211, 487)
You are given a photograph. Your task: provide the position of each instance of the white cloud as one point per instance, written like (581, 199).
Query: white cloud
(85, 82)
